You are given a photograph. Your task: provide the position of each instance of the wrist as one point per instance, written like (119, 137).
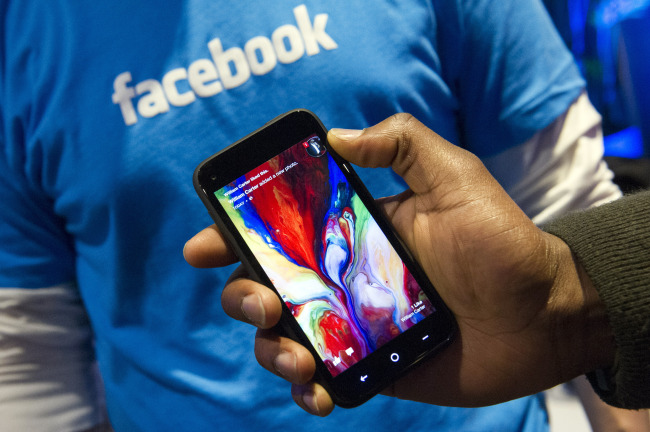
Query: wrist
(583, 337)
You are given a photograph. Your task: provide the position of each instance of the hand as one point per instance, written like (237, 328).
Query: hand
(515, 290)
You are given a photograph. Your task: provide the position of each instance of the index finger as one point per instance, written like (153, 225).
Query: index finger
(208, 248)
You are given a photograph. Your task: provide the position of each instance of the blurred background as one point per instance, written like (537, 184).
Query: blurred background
(609, 39)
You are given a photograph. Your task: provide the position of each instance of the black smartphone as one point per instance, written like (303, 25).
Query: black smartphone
(303, 224)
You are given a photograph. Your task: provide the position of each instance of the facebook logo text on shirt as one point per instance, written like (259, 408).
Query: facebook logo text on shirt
(225, 69)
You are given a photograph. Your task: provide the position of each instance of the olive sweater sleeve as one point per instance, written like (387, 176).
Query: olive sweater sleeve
(612, 242)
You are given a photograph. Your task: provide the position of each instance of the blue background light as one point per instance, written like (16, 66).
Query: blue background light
(609, 39)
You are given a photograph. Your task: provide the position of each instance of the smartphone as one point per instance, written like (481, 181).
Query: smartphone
(304, 225)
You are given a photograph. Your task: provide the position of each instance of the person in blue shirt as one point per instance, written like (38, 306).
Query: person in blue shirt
(106, 108)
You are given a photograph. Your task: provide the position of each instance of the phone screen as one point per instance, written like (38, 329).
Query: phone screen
(325, 254)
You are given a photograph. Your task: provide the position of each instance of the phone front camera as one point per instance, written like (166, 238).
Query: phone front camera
(314, 147)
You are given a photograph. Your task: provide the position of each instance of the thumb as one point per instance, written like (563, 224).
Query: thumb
(421, 157)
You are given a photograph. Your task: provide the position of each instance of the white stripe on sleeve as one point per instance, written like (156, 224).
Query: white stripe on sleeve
(48, 374)
(559, 169)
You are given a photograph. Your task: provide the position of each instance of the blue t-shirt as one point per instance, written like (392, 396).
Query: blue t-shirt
(106, 108)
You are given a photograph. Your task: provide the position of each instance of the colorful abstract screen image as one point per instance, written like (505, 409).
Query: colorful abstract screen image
(334, 268)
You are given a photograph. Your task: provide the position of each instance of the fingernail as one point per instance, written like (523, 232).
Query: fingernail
(311, 402)
(285, 364)
(185, 247)
(346, 134)
(253, 309)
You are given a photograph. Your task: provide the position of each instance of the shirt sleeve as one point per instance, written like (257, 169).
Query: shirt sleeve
(612, 242)
(35, 250)
(48, 376)
(559, 169)
(509, 68)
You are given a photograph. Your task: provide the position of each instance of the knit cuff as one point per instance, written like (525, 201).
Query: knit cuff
(612, 242)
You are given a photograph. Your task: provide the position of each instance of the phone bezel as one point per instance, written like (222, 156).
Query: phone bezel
(260, 146)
